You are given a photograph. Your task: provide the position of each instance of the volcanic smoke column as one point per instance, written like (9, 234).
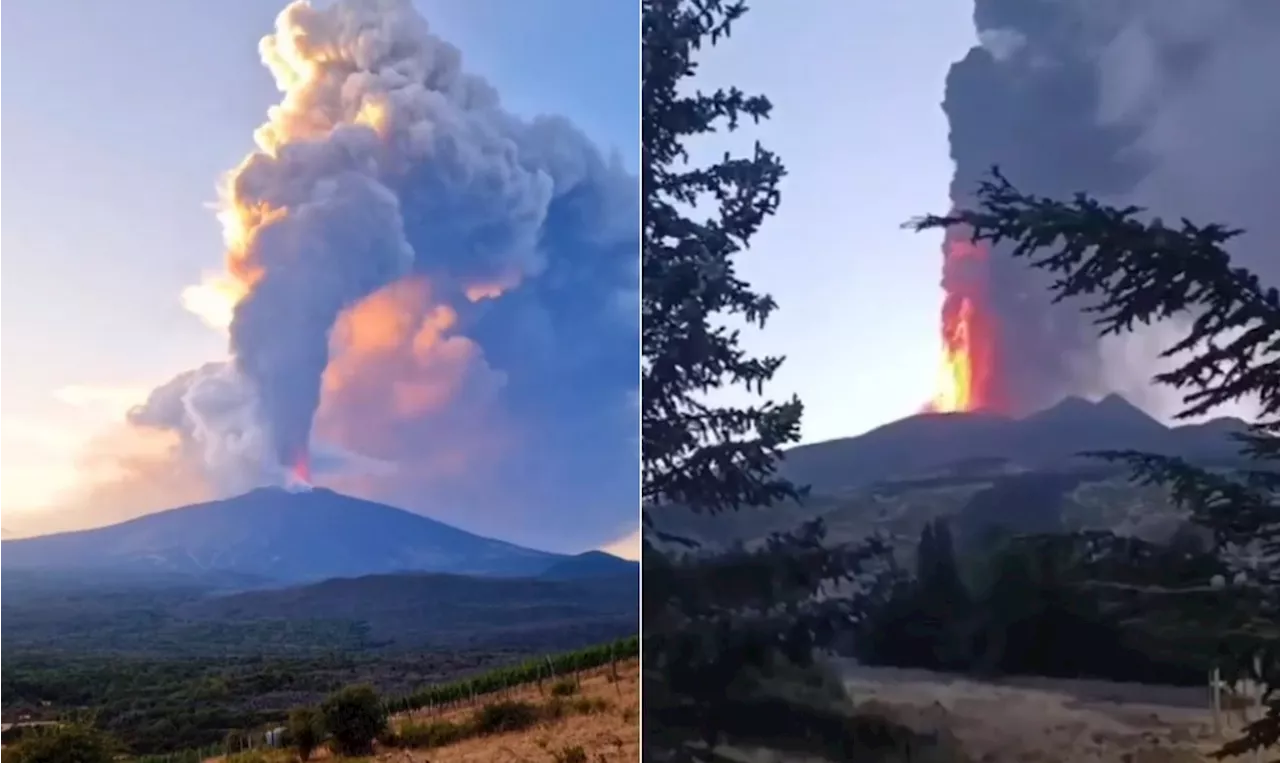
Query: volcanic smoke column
(385, 162)
(1006, 348)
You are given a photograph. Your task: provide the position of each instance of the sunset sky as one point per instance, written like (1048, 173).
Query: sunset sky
(121, 120)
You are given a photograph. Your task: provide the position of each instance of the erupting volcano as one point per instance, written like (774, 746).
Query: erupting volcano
(967, 378)
(301, 471)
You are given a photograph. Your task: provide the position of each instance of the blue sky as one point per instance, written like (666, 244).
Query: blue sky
(121, 119)
(120, 123)
(857, 91)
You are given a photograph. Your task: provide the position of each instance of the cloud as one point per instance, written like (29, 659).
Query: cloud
(422, 291)
(111, 401)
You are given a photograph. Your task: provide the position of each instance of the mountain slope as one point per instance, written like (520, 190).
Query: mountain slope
(591, 564)
(280, 535)
(982, 470)
(421, 608)
(1050, 438)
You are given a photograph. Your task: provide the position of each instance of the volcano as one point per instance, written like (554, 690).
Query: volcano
(1051, 437)
(280, 535)
(983, 470)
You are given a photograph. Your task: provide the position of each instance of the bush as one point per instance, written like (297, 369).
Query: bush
(306, 730)
(589, 705)
(61, 744)
(430, 734)
(565, 687)
(503, 716)
(354, 718)
(573, 754)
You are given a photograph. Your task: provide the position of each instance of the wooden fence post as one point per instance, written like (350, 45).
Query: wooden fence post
(1215, 693)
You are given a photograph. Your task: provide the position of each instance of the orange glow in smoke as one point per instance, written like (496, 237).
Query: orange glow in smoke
(967, 373)
(302, 468)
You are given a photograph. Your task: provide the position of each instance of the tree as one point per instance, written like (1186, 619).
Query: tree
(62, 744)
(695, 452)
(354, 717)
(306, 729)
(714, 625)
(1140, 271)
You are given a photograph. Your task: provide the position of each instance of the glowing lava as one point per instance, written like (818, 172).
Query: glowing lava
(967, 379)
(955, 376)
(300, 473)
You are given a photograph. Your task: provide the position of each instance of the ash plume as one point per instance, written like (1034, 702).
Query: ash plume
(422, 278)
(1166, 104)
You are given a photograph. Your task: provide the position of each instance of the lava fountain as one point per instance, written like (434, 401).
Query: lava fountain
(967, 376)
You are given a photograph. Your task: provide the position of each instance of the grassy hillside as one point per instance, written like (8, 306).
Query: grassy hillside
(548, 676)
(176, 664)
(978, 498)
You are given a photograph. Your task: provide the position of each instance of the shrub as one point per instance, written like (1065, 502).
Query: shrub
(354, 718)
(565, 687)
(573, 754)
(61, 744)
(589, 705)
(430, 734)
(235, 741)
(306, 730)
(507, 715)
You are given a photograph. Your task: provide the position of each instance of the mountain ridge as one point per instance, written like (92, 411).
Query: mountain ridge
(980, 469)
(1055, 435)
(280, 535)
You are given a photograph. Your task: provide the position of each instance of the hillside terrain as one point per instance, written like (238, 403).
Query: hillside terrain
(982, 472)
(187, 617)
(248, 607)
(420, 609)
(276, 534)
(601, 717)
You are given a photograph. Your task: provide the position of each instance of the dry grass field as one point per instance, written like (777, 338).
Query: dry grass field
(597, 722)
(1043, 720)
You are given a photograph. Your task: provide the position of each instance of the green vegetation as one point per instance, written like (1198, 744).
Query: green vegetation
(505, 715)
(713, 645)
(500, 717)
(1136, 271)
(165, 706)
(1034, 608)
(528, 672)
(374, 613)
(71, 743)
(699, 643)
(78, 616)
(306, 730)
(428, 734)
(354, 717)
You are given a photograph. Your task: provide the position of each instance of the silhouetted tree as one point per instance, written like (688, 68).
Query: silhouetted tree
(712, 625)
(306, 730)
(1139, 271)
(354, 717)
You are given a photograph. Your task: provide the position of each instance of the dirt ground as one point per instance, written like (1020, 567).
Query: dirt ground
(609, 736)
(605, 737)
(1052, 721)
